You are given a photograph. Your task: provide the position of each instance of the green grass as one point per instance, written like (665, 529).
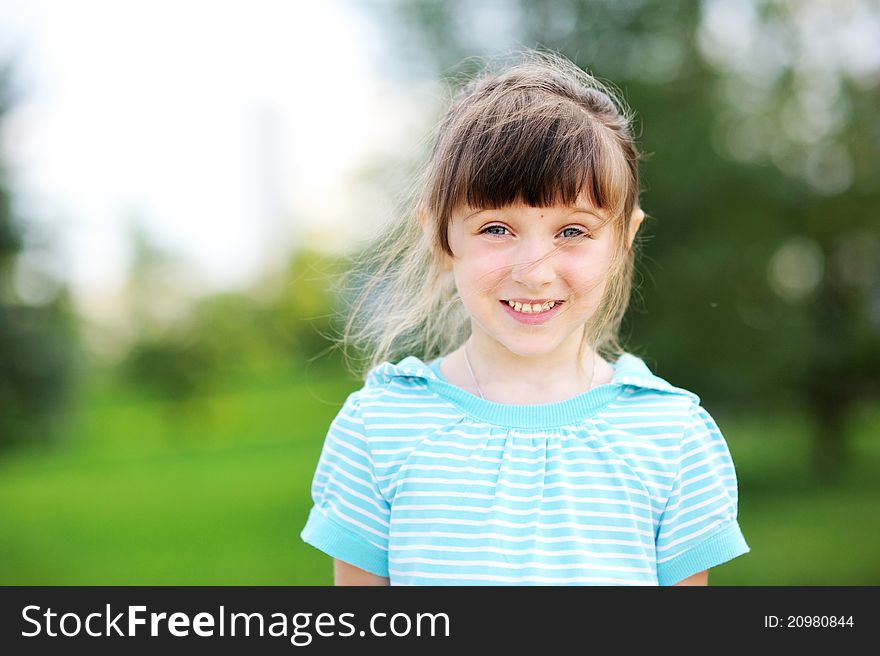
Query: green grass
(800, 532)
(145, 494)
(203, 516)
(142, 496)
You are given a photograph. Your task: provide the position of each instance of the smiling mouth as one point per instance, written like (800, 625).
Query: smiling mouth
(531, 308)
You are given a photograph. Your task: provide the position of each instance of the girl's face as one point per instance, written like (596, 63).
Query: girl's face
(530, 254)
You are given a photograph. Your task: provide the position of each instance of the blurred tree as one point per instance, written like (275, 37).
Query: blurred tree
(186, 346)
(166, 354)
(306, 309)
(761, 144)
(282, 321)
(37, 337)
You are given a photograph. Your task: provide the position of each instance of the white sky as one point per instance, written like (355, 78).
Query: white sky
(231, 128)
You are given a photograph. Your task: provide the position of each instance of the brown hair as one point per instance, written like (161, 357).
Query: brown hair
(541, 132)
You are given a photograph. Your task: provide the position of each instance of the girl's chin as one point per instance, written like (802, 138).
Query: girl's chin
(538, 343)
(536, 347)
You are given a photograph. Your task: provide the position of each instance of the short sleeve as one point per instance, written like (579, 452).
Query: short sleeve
(350, 517)
(698, 528)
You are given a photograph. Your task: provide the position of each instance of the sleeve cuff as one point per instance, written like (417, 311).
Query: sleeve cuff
(721, 546)
(337, 541)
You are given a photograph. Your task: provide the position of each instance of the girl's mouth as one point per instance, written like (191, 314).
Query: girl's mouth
(532, 318)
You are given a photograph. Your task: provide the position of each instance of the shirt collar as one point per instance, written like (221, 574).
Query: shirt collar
(629, 370)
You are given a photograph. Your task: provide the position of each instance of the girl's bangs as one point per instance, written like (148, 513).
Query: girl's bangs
(543, 161)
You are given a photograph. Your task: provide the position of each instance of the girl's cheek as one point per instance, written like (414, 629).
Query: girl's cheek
(492, 264)
(584, 260)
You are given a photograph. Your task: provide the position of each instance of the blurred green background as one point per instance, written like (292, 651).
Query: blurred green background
(184, 453)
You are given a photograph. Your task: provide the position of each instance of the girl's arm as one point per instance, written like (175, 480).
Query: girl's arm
(700, 578)
(347, 574)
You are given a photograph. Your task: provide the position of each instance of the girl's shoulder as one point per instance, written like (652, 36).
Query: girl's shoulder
(656, 397)
(397, 389)
(409, 371)
(391, 389)
(632, 371)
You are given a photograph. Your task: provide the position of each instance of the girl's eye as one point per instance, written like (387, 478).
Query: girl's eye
(578, 231)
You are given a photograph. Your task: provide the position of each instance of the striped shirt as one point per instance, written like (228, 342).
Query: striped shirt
(630, 483)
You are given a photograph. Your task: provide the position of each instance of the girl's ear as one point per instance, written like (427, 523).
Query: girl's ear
(635, 220)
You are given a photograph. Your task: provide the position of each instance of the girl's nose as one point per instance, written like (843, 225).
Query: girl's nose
(534, 268)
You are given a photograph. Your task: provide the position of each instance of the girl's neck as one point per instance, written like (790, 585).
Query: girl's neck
(504, 378)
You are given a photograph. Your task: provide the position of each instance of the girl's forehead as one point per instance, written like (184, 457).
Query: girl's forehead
(582, 206)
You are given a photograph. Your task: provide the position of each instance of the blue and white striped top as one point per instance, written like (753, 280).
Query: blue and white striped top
(630, 483)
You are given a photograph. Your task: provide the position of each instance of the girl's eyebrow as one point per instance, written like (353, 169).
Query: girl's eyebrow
(574, 210)
(581, 210)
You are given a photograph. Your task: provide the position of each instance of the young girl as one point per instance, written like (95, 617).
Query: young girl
(535, 451)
